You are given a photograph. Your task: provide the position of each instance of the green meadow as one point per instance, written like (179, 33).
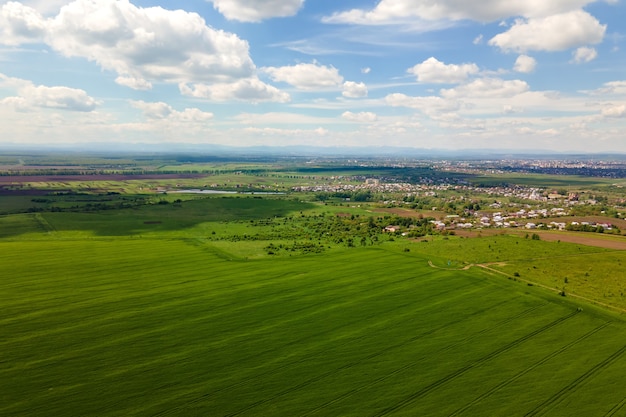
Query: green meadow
(157, 311)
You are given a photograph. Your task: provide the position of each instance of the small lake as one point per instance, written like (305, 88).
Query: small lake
(198, 191)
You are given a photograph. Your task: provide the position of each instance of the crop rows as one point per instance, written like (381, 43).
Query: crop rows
(164, 327)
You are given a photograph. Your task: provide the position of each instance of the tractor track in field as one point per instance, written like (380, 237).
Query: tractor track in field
(436, 384)
(212, 313)
(559, 396)
(355, 363)
(616, 408)
(486, 266)
(300, 360)
(412, 364)
(530, 368)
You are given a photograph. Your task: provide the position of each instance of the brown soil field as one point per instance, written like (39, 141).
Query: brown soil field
(588, 239)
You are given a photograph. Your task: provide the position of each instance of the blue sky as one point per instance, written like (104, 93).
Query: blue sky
(527, 75)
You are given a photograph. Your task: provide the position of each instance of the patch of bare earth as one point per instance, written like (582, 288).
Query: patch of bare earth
(581, 238)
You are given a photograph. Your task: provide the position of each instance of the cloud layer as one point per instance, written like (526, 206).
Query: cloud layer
(257, 10)
(143, 46)
(392, 11)
(30, 96)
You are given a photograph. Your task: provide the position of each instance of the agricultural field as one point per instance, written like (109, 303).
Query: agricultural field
(170, 327)
(178, 304)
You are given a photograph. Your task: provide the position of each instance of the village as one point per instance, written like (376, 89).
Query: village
(464, 206)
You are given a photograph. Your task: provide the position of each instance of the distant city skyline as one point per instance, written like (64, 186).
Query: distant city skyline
(511, 75)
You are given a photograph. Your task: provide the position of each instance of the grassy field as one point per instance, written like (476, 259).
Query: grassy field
(170, 328)
(138, 312)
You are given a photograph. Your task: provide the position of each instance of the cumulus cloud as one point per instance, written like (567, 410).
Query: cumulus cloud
(352, 89)
(163, 111)
(435, 71)
(611, 88)
(361, 117)
(508, 109)
(56, 97)
(391, 11)
(141, 45)
(45, 7)
(20, 24)
(133, 82)
(614, 111)
(250, 89)
(584, 54)
(525, 64)
(552, 33)
(256, 10)
(487, 88)
(306, 76)
(422, 103)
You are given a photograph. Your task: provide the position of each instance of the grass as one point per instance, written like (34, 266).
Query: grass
(500, 248)
(167, 309)
(591, 272)
(169, 326)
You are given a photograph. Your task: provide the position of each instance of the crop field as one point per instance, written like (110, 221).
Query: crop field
(122, 296)
(138, 312)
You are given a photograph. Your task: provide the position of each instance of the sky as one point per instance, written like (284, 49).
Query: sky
(514, 75)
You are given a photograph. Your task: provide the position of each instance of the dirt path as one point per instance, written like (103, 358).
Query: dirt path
(487, 267)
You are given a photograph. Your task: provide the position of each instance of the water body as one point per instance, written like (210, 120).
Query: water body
(198, 191)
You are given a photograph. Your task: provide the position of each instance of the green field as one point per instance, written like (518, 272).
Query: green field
(142, 312)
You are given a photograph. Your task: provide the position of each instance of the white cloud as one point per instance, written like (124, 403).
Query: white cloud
(256, 10)
(280, 118)
(552, 33)
(525, 64)
(611, 88)
(57, 97)
(508, 109)
(435, 71)
(361, 117)
(486, 88)
(425, 104)
(352, 89)
(366, 70)
(157, 110)
(20, 24)
(250, 89)
(45, 7)
(163, 111)
(144, 45)
(391, 11)
(306, 76)
(478, 40)
(584, 54)
(615, 111)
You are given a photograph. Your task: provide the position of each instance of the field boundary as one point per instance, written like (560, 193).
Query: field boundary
(486, 266)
